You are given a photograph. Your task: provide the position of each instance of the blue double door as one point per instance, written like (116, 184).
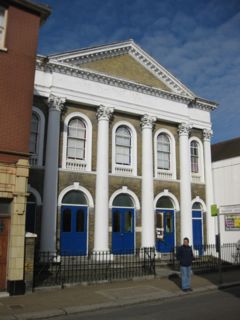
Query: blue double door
(123, 230)
(165, 230)
(197, 229)
(73, 237)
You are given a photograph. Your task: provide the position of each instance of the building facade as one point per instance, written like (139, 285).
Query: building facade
(19, 25)
(120, 154)
(226, 172)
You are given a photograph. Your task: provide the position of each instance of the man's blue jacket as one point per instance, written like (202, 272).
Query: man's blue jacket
(185, 255)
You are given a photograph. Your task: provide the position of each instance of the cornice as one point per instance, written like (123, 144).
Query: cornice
(43, 64)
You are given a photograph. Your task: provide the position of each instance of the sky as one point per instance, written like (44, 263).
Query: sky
(198, 41)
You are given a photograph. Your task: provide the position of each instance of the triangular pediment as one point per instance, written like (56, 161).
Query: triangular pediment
(127, 61)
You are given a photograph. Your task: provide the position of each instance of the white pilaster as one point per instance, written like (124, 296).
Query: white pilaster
(208, 185)
(148, 229)
(49, 212)
(104, 114)
(185, 182)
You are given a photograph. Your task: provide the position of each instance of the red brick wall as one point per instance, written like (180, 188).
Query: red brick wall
(17, 67)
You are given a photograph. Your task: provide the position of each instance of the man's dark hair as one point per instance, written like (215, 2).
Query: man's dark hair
(186, 239)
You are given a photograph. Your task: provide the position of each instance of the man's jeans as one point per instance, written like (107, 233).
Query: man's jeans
(186, 277)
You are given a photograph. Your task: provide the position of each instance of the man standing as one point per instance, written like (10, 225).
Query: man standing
(185, 257)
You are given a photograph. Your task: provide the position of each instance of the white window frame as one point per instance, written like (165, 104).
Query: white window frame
(125, 169)
(3, 29)
(163, 174)
(78, 165)
(36, 160)
(197, 177)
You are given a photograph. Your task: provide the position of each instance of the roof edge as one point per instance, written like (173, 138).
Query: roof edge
(43, 10)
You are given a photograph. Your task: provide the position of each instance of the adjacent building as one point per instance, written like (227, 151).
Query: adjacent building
(19, 26)
(226, 173)
(120, 154)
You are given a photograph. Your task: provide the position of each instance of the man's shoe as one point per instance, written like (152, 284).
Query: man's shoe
(189, 289)
(185, 290)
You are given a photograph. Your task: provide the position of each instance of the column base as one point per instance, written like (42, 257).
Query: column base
(102, 255)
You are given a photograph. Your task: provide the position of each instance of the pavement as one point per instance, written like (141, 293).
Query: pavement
(45, 303)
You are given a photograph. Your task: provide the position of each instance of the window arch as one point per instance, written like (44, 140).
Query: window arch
(124, 152)
(165, 155)
(77, 142)
(36, 140)
(196, 158)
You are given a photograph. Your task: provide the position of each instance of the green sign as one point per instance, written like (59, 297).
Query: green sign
(214, 210)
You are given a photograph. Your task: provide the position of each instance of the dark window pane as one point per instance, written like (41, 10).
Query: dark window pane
(169, 223)
(164, 202)
(123, 200)
(197, 205)
(30, 217)
(66, 220)
(159, 220)
(128, 221)
(5, 206)
(80, 219)
(74, 197)
(116, 221)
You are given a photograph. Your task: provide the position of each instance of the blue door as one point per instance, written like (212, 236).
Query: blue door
(122, 230)
(74, 230)
(197, 231)
(165, 231)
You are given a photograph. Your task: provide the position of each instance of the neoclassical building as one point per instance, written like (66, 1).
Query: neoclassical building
(120, 154)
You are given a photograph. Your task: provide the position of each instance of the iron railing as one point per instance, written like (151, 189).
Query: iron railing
(206, 258)
(52, 269)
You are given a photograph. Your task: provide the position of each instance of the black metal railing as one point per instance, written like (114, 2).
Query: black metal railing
(207, 258)
(52, 269)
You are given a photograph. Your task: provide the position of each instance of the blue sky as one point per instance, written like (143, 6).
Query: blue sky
(196, 40)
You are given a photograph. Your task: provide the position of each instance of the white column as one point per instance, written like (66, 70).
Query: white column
(104, 114)
(49, 212)
(148, 229)
(208, 185)
(185, 182)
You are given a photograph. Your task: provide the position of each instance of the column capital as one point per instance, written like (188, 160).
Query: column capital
(148, 121)
(104, 113)
(207, 134)
(55, 102)
(184, 129)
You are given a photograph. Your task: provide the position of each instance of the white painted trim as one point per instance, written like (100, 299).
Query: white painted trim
(201, 161)
(41, 133)
(133, 133)
(76, 186)
(88, 151)
(166, 193)
(198, 199)
(127, 191)
(36, 195)
(172, 153)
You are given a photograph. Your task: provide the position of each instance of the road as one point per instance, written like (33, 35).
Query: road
(205, 306)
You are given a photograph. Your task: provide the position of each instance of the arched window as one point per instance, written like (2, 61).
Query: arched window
(123, 200)
(163, 152)
(76, 140)
(164, 203)
(123, 146)
(75, 197)
(34, 135)
(164, 155)
(194, 149)
(36, 140)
